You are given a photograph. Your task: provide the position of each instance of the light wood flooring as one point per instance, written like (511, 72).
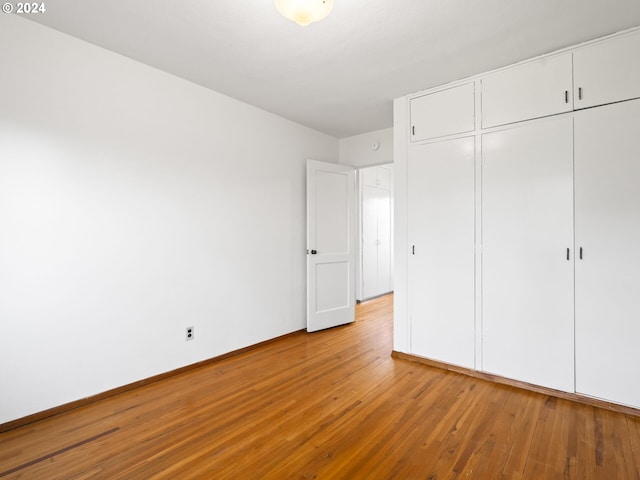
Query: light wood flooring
(328, 405)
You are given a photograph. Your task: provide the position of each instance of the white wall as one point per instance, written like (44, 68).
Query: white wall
(134, 204)
(401, 326)
(357, 152)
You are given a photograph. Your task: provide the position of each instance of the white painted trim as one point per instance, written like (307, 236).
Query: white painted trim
(401, 324)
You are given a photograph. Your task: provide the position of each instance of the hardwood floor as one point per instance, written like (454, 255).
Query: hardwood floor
(328, 405)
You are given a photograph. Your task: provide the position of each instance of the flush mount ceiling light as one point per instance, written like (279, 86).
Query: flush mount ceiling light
(304, 12)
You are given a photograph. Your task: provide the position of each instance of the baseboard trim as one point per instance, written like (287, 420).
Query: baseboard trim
(575, 397)
(20, 422)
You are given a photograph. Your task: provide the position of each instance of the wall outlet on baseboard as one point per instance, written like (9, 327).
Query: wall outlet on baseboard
(189, 333)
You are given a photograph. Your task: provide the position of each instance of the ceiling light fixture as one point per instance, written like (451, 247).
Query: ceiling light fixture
(304, 12)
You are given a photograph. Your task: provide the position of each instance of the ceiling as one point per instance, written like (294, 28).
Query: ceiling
(340, 75)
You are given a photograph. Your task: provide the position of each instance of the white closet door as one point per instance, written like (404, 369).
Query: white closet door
(384, 241)
(376, 241)
(442, 113)
(527, 227)
(369, 241)
(441, 268)
(608, 231)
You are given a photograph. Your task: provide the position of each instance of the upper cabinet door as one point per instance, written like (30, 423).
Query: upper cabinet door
(442, 113)
(532, 90)
(607, 72)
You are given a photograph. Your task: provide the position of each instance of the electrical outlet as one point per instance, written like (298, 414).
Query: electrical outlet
(189, 333)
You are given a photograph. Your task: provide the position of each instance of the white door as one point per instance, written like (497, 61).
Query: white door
(441, 194)
(608, 235)
(330, 245)
(527, 253)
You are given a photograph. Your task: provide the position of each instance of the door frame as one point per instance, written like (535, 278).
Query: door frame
(359, 222)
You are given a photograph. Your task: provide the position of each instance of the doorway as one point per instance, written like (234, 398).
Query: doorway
(375, 231)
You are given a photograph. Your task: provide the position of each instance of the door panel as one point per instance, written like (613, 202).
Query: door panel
(608, 230)
(532, 90)
(527, 227)
(446, 112)
(441, 196)
(330, 245)
(607, 72)
(332, 212)
(332, 286)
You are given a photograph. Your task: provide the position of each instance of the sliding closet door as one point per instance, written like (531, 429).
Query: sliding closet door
(527, 253)
(441, 257)
(608, 233)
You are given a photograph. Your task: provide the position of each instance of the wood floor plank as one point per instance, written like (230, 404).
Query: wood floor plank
(328, 405)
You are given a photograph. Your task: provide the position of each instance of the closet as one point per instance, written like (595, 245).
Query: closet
(376, 208)
(523, 221)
